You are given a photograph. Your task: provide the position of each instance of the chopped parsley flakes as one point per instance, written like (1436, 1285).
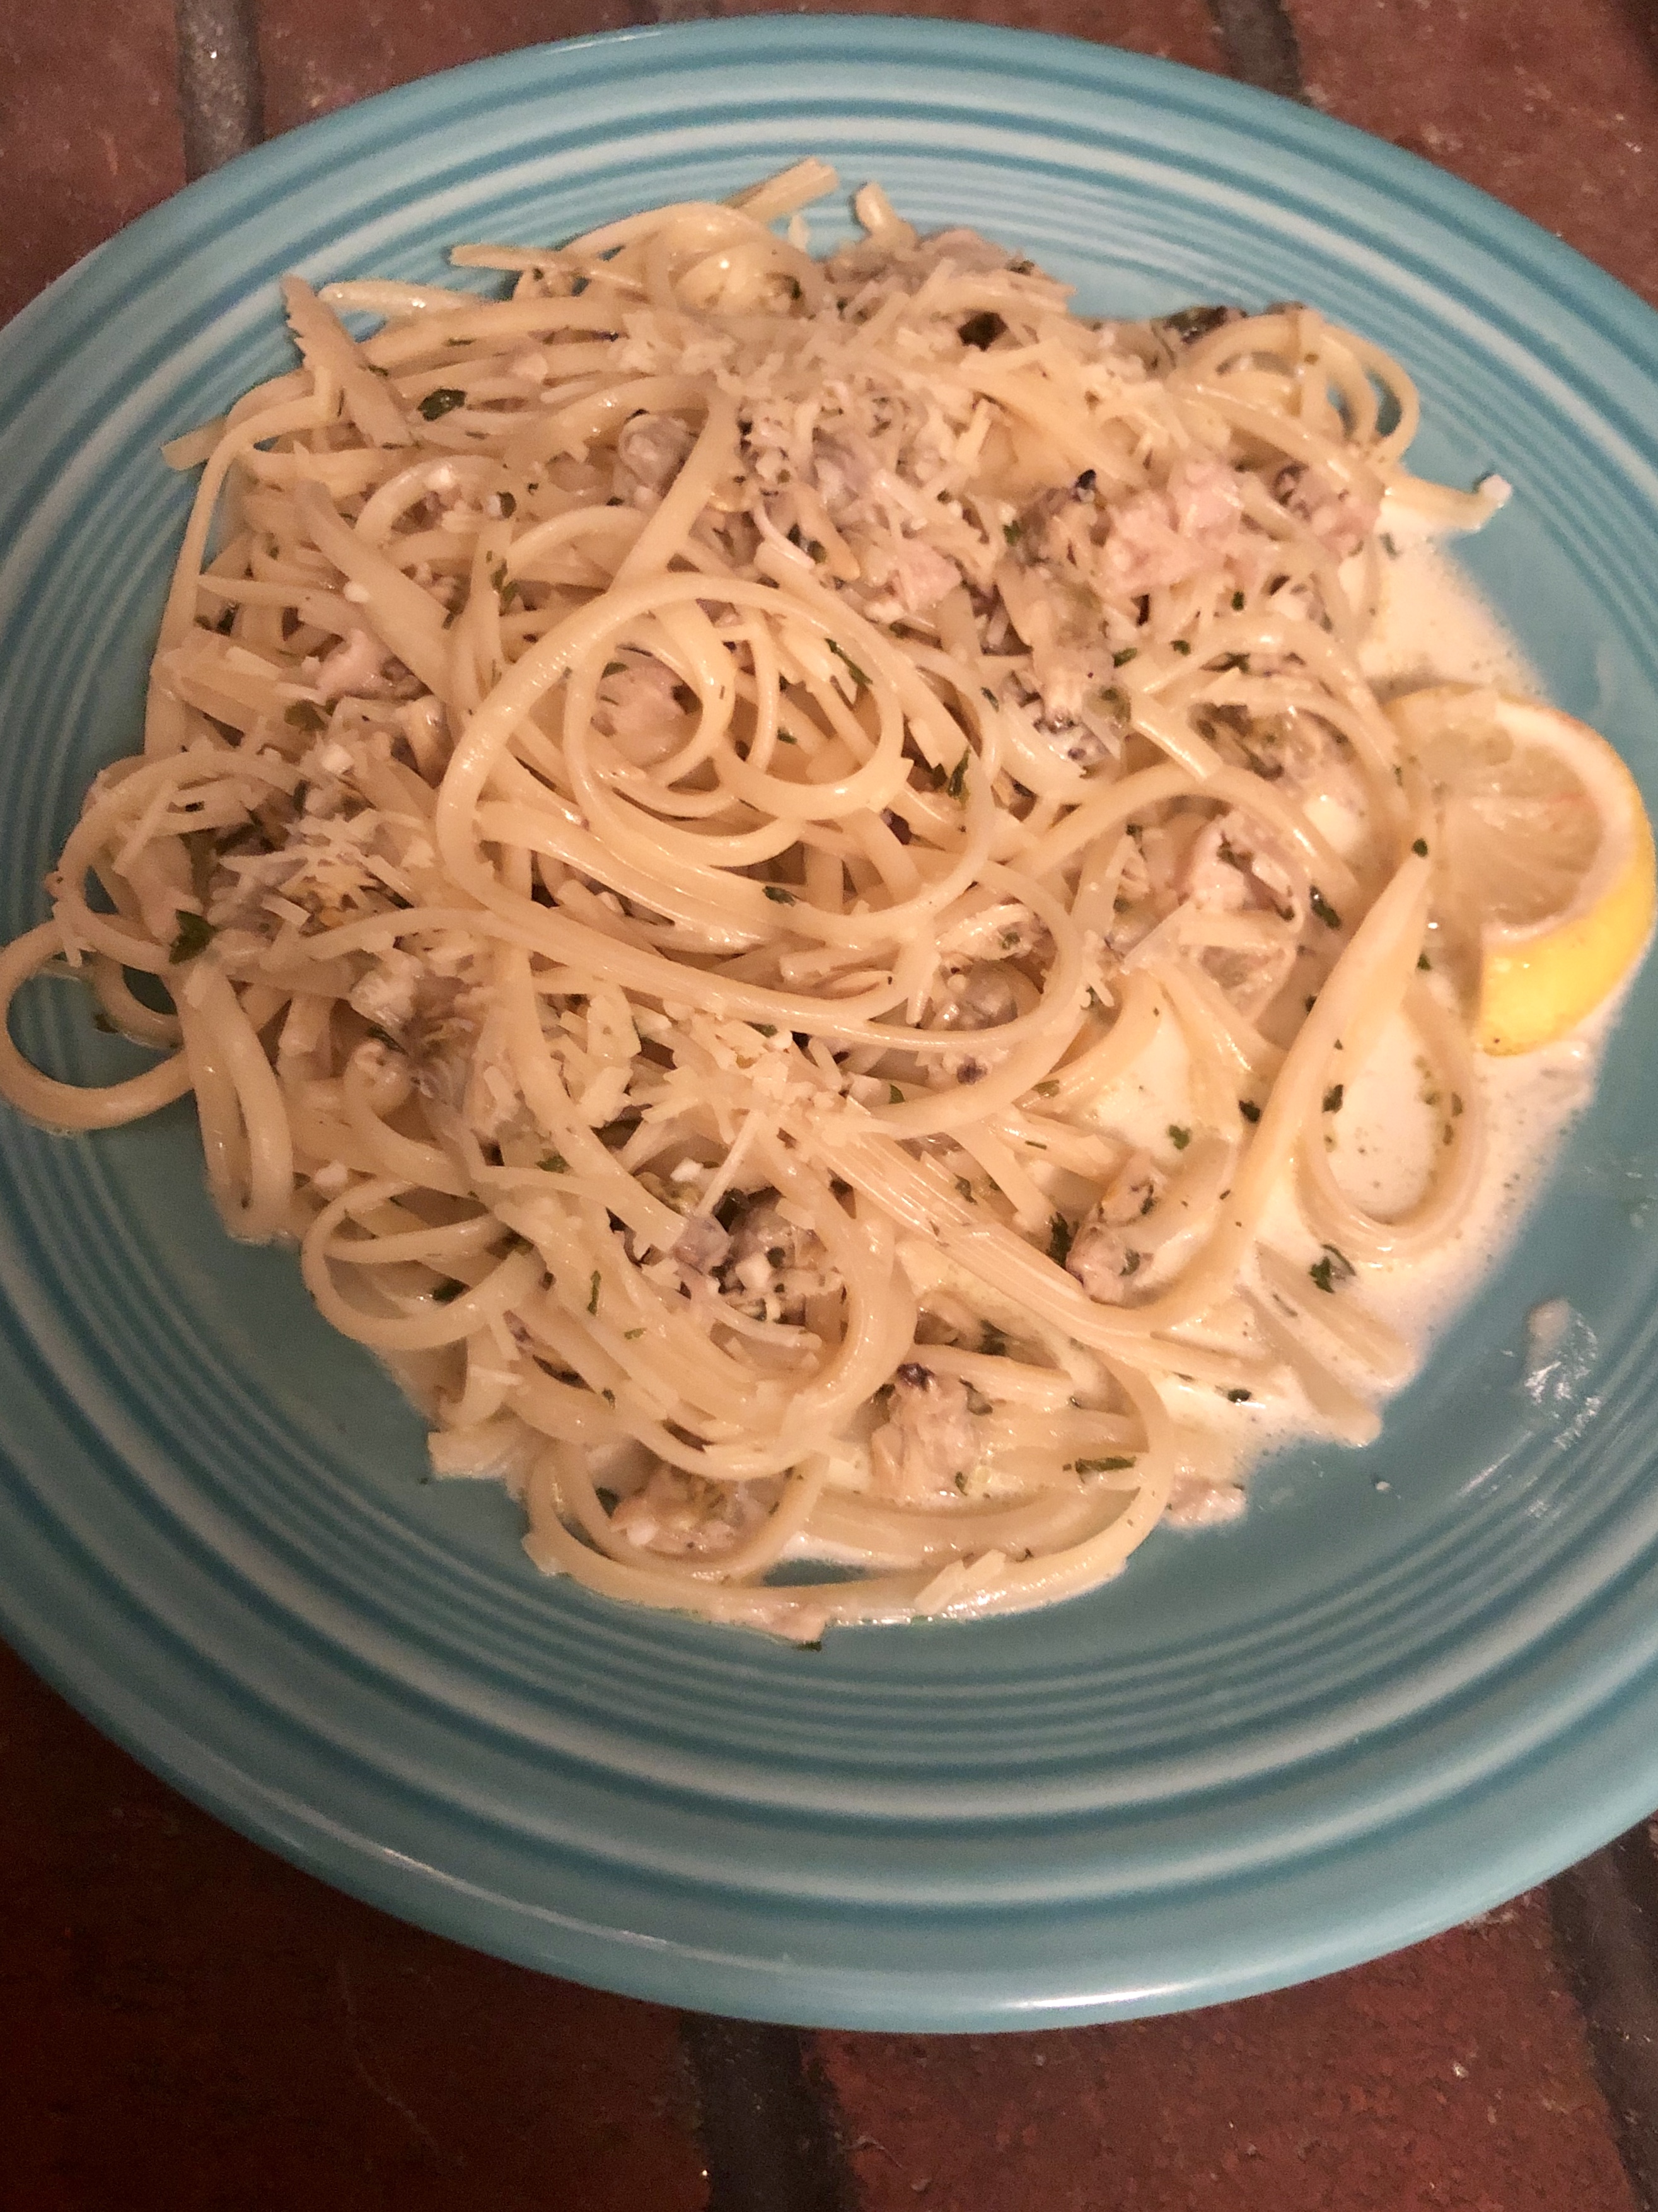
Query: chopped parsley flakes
(850, 665)
(195, 934)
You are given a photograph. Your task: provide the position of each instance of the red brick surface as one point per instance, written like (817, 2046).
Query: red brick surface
(187, 2022)
(1453, 2076)
(183, 2021)
(318, 55)
(1551, 107)
(89, 134)
(1178, 30)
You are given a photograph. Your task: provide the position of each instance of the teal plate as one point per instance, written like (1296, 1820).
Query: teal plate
(1414, 1681)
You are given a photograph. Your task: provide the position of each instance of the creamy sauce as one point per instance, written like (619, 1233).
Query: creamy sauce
(1431, 627)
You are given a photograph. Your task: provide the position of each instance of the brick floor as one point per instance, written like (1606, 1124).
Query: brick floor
(318, 55)
(1453, 2075)
(164, 1984)
(1552, 109)
(89, 134)
(185, 2019)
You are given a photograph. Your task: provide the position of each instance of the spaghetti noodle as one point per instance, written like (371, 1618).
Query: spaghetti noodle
(680, 793)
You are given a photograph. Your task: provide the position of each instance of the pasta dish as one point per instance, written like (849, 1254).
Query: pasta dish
(779, 869)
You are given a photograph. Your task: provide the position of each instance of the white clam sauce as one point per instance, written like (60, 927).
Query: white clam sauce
(1431, 627)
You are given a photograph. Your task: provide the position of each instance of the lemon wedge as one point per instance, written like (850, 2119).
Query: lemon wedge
(1543, 866)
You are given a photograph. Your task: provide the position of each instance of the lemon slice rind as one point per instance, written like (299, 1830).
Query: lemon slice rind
(1539, 980)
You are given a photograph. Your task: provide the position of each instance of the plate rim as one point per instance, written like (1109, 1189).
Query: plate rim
(353, 1862)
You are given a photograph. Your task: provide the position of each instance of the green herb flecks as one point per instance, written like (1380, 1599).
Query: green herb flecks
(195, 934)
(1323, 908)
(443, 401)
(1333, 1269)
(850, 664)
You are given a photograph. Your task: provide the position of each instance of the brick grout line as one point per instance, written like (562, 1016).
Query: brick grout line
(220, 98)
(1605, 1913)
(766, 2120)
(1258, 42)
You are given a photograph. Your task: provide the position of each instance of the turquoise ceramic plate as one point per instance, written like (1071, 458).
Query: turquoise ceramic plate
(1415, 1680)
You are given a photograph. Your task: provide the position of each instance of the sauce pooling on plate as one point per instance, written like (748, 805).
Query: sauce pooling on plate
(1431, 627)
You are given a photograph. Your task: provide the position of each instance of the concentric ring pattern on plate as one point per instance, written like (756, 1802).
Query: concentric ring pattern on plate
(1414, 1680)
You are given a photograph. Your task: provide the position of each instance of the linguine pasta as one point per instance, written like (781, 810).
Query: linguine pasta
(681, 796)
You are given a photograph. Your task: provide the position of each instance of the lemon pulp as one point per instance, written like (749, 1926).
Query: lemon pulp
(1543, 872)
